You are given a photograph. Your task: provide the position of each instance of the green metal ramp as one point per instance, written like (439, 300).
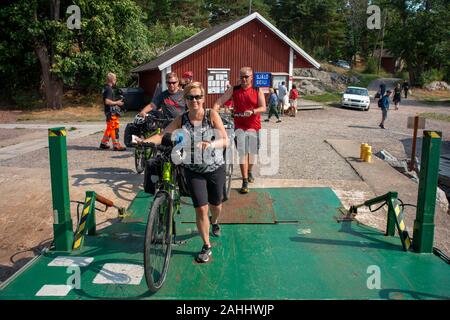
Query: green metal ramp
(312, 257)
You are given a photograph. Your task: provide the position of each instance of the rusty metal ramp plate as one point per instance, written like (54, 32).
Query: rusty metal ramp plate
(255, 207)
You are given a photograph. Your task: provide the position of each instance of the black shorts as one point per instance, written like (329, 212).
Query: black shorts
(247, 142)
(206, 187)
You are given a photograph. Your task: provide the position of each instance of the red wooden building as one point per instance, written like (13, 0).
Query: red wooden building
(215, 56)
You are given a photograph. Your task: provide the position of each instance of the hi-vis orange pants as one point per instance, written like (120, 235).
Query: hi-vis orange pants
(112, 131)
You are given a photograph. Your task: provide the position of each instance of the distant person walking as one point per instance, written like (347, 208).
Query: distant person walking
(397, 95)
(112, 109)
(384, 105)
(382, 89)
(282, 97)
(405, 87)
(293, 96)
(273, 104)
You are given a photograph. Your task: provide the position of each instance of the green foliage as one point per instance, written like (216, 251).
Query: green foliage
(431, 75)
(372, 65)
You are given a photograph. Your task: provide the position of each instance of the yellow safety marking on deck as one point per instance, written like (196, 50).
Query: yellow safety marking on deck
(434, 135)
(402, 225)
(397, 210)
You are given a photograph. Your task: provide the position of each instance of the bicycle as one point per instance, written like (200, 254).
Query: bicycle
(148, 126)
(160, 231)
(227, 119)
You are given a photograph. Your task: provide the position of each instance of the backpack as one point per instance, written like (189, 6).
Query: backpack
(380, 102)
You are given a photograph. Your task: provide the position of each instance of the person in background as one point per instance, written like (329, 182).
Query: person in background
(382, 89)
(186, 79)
(249, 102)
(384, 105)
(293, 96)
(112, 112)
(397, 95)
(170, 102)
(405, 87)
(273, 104)
(282, 93)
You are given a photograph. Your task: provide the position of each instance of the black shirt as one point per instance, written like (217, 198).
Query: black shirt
(108, 93)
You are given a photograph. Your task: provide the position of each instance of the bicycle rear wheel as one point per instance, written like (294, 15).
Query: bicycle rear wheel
(227, 184)
(139, 160)
(158, 241)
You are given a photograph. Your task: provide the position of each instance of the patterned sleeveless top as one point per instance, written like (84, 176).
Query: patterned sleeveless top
(199, 161)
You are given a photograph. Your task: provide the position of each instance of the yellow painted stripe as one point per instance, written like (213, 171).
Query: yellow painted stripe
(434, 135)
(77, 244)
(82, 226)
(407, 242)
(397, 210)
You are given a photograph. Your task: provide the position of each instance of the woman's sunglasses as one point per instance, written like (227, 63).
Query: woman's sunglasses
(191, 98)
(169, 82)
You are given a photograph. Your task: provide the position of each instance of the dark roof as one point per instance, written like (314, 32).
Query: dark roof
(183, 46)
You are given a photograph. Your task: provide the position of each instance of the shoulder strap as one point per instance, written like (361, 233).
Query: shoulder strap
(207, 118)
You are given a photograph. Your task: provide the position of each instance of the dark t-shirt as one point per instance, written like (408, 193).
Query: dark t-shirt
(107, 94)
(171, 105)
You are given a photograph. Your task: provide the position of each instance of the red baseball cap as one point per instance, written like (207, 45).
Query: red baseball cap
(188, 74)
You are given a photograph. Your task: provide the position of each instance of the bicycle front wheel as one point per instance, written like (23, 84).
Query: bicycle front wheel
(158, 241)
(139, 160)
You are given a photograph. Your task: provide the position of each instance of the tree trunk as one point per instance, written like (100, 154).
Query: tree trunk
(53, 86)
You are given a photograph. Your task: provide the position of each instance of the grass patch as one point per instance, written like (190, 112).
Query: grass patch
(364, 79)
(439, 97)
(435, 116)
(329, 97)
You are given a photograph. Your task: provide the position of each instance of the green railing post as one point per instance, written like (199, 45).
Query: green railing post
(62, 226)
(426, 200)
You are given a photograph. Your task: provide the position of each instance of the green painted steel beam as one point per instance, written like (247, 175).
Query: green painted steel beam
(62, 227)
(426, 201)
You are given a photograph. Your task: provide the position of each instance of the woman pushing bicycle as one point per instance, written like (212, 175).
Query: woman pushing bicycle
(205, 168)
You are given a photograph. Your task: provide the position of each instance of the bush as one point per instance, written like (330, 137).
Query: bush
(404, 75)
(431, 75)
(372, 66)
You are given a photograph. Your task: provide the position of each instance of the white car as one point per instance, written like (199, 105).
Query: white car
(356, 97)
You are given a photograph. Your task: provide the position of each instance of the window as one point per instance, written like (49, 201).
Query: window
(218, 80)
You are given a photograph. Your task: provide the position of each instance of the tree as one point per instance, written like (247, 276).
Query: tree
(419, 32)
(112, 38)
(223, 11)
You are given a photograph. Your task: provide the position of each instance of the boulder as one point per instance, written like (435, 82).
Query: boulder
(437, 85)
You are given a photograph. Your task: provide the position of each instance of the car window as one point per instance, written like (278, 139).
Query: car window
(359, 92)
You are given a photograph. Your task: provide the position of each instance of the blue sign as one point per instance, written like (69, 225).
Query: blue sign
(261, 79)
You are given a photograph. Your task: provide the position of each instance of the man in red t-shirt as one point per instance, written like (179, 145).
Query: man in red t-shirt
(249, 103)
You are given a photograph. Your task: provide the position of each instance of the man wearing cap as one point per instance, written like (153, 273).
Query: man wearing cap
(186, 79)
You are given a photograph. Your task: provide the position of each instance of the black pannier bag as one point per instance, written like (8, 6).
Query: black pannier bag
(131, 129)
(152, 174)
(181, 180)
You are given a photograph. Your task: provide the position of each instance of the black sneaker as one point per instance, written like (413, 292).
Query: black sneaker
(278, 121)
(267, 120)
(204, 255)
(103, 146)
(216, 229)
(251, 178)
(381, 126)
(244, 188)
